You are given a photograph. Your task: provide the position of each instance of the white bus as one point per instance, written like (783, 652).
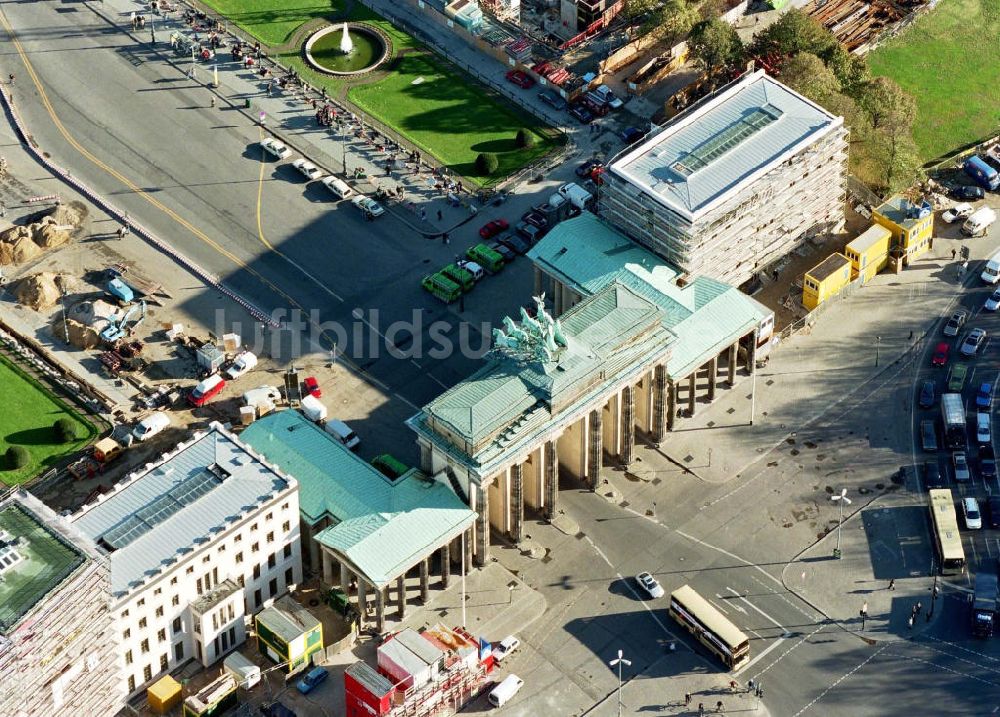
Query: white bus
(710, 626)
(944, 527)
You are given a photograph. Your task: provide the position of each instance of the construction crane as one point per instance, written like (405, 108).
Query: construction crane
(119, 328)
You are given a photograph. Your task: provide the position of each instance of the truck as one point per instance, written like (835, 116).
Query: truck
(953, 417)
(985, 176)
(576, 194)
(984, 603)
(484, 256)
(978, 222)
(442, 287)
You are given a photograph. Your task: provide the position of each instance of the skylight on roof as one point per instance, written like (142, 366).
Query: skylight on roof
(732, 136)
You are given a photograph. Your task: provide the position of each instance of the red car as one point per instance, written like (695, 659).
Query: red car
(520, 79)
(940, 357)
(311, 386)
(491, 229)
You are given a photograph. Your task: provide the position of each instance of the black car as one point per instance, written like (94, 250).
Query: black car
(993, 508)
(987, 462)
(516, 243)
(932, 475)
(927, 394)
(582, 114)
(587, 167)
(536, 218)
(968, 192)
(552, 100)
(504, 251)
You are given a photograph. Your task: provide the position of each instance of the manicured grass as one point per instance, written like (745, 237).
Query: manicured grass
(26, 420)
(447, 117)
(948, 61)
(273, 22)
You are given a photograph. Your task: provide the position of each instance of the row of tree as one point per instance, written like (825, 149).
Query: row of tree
(809, 59)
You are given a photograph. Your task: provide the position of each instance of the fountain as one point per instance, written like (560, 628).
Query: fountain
(360, 48)
(346, 46)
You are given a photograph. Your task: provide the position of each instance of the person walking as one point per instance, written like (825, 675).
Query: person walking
(440, 215)
(701, 709)
(892, 583)
(12, 78)
(213, 101)
(918, 608)
(953, 253)
(718, 706)
(3, 210)
(909, 622)
(687, 699)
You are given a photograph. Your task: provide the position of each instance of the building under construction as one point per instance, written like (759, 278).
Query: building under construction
(57, 654)
(733, 183)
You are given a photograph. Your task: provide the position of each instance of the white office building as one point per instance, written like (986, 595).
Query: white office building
(196, 542)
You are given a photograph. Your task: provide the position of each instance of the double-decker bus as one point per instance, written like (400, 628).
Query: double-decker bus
(710, 626)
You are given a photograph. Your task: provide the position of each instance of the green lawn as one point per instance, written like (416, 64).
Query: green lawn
(27, 417)
(948, 60)
(447, 117)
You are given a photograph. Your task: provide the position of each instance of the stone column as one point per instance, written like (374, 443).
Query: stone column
(538, 282)
(401, 595)
(550, 452)
(713, 370)
(628, 424)
(692, 380)
(482, 527)
(345, 579)
(362, 597)
(671, 405)
(517, 502)
(445, 565)
(659, 403)
(327, 568)
(425, 570)
(595, 448)
(380, 609)
(480, 561)
(731, 375)
(752, 353)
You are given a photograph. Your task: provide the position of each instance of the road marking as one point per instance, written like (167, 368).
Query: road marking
(842, 678)
(981, 655)
(737, 607)
(761, 656)
(747, 563)
(785, 633)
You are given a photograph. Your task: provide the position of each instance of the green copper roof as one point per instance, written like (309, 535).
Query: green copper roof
(382, 526)
(705, 314)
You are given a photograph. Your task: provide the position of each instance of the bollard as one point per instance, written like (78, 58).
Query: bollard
(247, 103)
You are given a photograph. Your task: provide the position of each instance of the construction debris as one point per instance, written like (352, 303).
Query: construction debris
(857, 24)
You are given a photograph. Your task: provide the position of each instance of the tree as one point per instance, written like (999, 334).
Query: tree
(633, 10)
(851, 70)
(794, 32)
(806, 74)
(64, 430)
(714, 43)
(885, 102)
(893, 150)
(487, 163)
(524, 138)
(17, 457)
(671, 21)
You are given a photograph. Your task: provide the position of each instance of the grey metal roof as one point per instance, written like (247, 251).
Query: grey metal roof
(287, 619)
(152, 518)
(709, 150)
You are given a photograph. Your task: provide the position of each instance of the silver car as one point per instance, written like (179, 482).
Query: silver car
(961, 465)
(648, 583)
(955, 323)
(972, 342)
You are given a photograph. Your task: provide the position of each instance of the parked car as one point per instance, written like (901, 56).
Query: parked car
(959, 211)
(587, 167)
(503, 250)
(369, 205)
(343, 433)
(536, 218)
(581, 113)
(970, 509)
(338, 186)
(609, 97)
(313, 679)
(928, 436)
(515, 243)
(984, 396)
(631, 135)
(491, 228)
(471, 267)
(993, 302)
(955, 323)
(552, 100)
(956, 377)
(206, 390)
(648, 583)
(940, 356)
(275, 148)
(311, 387)
(961, 465)
(984, 432)
(150, 426)
(520, 79)
(968, 192)
(993, 508)
(932, 475)
(242, 364)
(926, 394)
(972, 342)
(307, 169)
(987, 462)
(506, 646)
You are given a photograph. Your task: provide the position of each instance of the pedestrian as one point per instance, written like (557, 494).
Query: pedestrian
(718, 706)
(12, 78)
(760, 691)
(909, 622)
(919, 607)
(440, 215)
(892, 583)
(3, 210)
(121, 233)
(750, 685)
(213, 101)
(687, 698)
(732, 686)
(701, 709)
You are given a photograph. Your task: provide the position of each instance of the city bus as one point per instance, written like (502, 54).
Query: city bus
(710, 626)
(944, 526)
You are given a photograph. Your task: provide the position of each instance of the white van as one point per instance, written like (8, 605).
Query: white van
(338, 187)
(313, 409)
(576, 194)
(343, 433)
(150, 426)
(991, 272)
(980, 220)
(505, 691)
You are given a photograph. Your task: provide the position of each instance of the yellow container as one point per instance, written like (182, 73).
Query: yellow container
(825, 280)
(911, 225)
(164, 694)
(869, 253)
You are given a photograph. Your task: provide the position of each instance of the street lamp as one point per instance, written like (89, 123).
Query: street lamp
(619, 661)
(842, 498)
(878, 340)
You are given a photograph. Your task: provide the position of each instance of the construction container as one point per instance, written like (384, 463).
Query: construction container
(911, 225)
(163, 695)
(107, 449)
(210, 358)
(247, 673)
(869, 253)
(288, 633)
(825, 280)
(248, 414)
(366, 692)
(213, 699)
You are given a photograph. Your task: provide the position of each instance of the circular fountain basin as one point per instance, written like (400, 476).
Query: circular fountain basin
(370, 49)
